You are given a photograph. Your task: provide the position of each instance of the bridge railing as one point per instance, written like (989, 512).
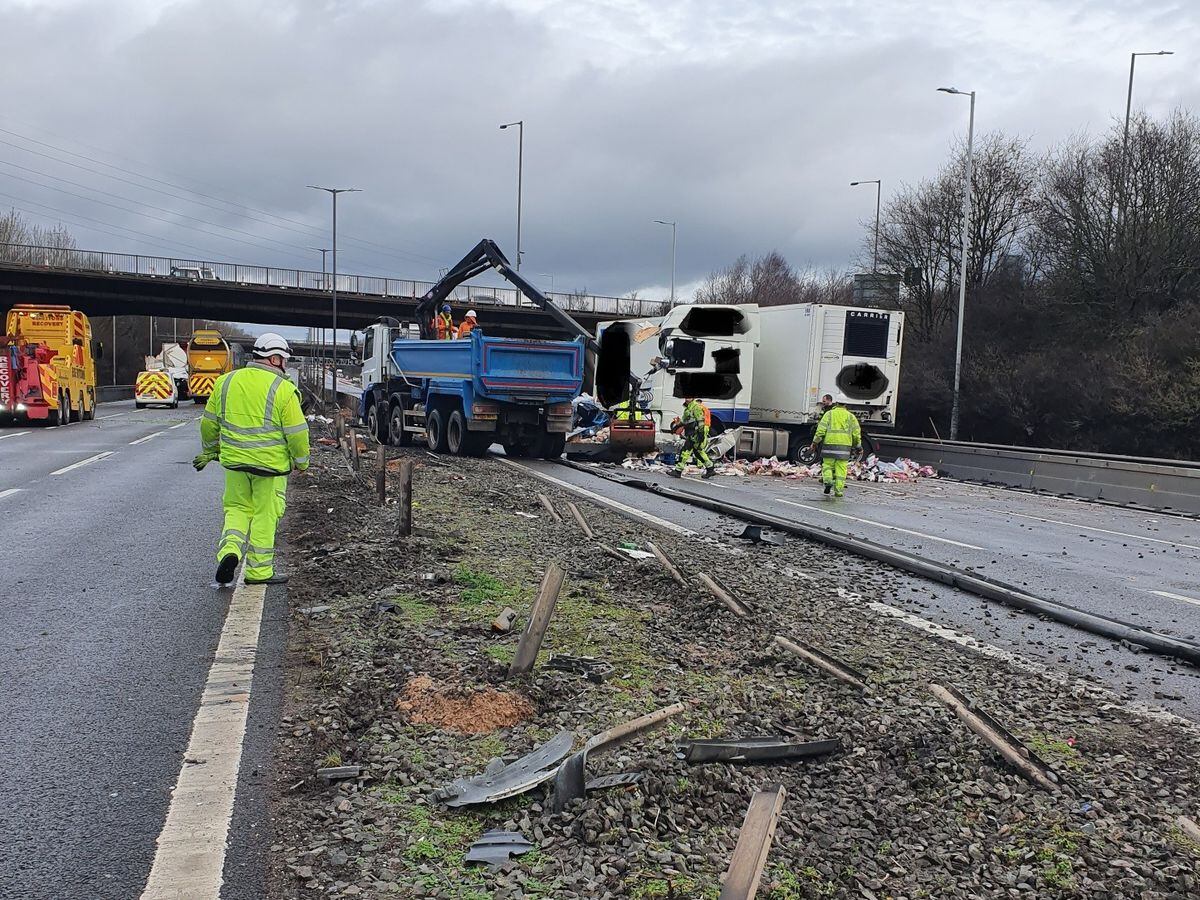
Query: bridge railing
(207, 272)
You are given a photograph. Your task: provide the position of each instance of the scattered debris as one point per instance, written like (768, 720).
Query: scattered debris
(594, 670)
(499, 781)
(495, 848)
(635, 554)
(579, 520)
(757, 534)
(466, 711)
(504, 622)
(339, 773)
(734, 605)
(753, 749)
(549, 507)
(619, 779)
(995, 735)
(754, 844)
(525, 515)
(313, 610)
(570, 782)
(671, 568)
(826, 663)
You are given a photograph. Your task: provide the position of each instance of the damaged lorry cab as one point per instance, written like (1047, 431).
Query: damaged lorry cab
(763, 368)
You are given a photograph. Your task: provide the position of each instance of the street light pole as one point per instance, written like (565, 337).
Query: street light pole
(1128, 108)
(520, 173)
(672, 224)
(962, 274)
(878, 190)
(551, 277)
(333, 192)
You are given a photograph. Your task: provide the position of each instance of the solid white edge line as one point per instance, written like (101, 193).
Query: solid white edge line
(148, 437)
(13, 434)
(109, 416)
(830, 512)
(190, 852)
(612, 504)
(84, 462)
(1125, 534)
(9, 492)
(180, 425)
(1166, 594)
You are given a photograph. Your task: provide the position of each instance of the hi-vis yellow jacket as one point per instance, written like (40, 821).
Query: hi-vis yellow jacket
(837, 432)
(254, 423)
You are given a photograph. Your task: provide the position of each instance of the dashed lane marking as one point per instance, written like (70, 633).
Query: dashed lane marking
(190, 853)
(83, 462)
(148, 437)
(612, 504)
(9, 492)
(109, 416)
(12, 434)
(180, 425)
(1124, 534)
(829, 512)
(1166, 594)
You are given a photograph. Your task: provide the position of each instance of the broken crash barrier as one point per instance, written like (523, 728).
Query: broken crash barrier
(539, 620)
(754, 844)
(996, 736)
(822, 661)
(979, 585)
(500, 781)
(753, 750)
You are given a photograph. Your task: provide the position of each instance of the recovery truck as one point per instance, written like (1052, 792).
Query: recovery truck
(47, 368)
(469, 393)
(209, 356)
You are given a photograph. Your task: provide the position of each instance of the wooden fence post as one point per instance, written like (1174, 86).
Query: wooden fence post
(539, 619)
(406, 475)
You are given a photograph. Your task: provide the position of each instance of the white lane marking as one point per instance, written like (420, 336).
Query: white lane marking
(148, 437)
(180, 425)
(963, 640)
(190, 853)
(1126, 534)
(109, 416)
(9, 492)
(612, 504)
(13, 434)
(1166, 594)
(84, 462)
(830, 512)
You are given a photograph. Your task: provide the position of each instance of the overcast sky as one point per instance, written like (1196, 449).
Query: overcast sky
(744, 122)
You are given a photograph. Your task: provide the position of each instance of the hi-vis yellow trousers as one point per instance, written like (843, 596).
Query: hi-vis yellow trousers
(254, 504)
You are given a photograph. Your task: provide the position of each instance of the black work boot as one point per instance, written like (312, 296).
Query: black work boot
(277, 578)
(675, 473)
(709, 472)
(226, 568)
(828, 488)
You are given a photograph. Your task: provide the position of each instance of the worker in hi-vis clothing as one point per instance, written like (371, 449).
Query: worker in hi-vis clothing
(838, 434)
(694, 426)
(253, 424)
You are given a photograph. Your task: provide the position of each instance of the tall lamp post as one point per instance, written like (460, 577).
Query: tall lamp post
(520, 172)
(672, 224)
(962, 267)
(333, 192)
(1128, 108)
(878, 190)
(551, 277)
(324, 285)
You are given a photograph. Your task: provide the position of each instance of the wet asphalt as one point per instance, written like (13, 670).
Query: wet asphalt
(108, 624)
(1143, 568)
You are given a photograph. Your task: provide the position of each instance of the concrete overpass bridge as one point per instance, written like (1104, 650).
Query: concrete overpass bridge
(107, 284)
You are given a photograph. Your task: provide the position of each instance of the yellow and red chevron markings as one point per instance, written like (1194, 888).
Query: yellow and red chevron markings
(201, 385)
(154, 384)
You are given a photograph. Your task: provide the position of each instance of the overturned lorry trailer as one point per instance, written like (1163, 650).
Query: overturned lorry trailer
(763, 368)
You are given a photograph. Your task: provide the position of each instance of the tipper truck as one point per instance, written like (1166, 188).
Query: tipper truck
(466, 394)
(47, 366)
(209, 356)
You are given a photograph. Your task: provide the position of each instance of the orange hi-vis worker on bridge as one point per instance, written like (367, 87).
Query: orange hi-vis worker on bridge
(254, 425)
(838, 434)
(443, 323)
(469, 323)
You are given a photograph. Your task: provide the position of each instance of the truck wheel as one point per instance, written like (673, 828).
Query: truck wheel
(77, 413)
(373, 424)
(397, 436)
(516, 449)
(89, 412)
(478, 443)
(435, 431)
(553, 446)
(799, 448)
(137, 405)
(457, 436)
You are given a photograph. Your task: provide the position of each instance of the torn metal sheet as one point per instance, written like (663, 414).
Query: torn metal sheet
(753, 749)
(618, 779)
(570, 783)
(595, 670)
(499, 781)
(338, 773)
(756, 534)
(495, 848)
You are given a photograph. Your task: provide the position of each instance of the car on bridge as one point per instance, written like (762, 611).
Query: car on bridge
(194, 273)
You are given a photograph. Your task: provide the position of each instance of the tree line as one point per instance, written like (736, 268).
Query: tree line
(1082, 324)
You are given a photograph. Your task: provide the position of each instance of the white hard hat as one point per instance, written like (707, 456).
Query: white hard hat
(271, 344)
(471, 314)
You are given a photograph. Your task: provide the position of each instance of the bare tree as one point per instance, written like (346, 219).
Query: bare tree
(766, 280)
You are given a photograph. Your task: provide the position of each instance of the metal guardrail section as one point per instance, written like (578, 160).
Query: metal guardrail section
(109, 393)
(180, 269)
(1164, 484)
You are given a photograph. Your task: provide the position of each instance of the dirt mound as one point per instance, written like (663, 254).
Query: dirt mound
(425, 701)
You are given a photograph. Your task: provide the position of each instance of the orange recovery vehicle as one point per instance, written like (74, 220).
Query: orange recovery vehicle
(47, 367)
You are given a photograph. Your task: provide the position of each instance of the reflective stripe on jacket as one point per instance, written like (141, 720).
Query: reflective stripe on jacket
(254, 422)
(837, 432)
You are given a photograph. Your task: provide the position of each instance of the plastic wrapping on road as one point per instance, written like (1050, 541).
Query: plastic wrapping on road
(870, 469)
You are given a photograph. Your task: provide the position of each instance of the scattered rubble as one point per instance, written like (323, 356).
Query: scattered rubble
(870, 469)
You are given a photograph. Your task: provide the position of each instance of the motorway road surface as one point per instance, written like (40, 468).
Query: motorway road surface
(108, 623)
(1136, 566)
